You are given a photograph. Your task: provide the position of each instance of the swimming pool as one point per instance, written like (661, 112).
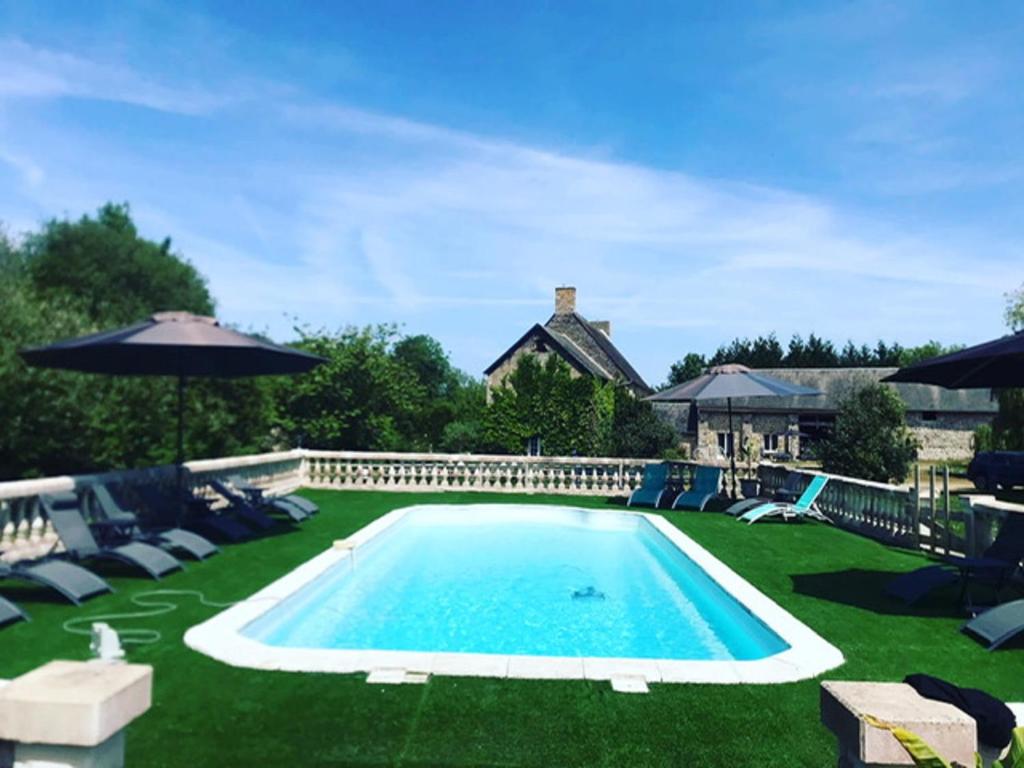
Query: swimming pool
(518, 591)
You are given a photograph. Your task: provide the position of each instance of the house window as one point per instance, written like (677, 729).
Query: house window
(533, 446)
(725, 444)
(769, 443)
(929, 416)
(540, 346)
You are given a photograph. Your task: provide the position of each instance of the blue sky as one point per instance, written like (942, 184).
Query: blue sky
(697, 170)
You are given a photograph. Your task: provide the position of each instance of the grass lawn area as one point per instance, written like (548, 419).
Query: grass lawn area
(207, 713)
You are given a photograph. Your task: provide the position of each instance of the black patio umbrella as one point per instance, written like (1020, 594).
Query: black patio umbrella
(997, 364)
(176, 344)
(724, 382)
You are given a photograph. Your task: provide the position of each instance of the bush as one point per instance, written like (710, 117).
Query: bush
(871, 439)
(984, 439)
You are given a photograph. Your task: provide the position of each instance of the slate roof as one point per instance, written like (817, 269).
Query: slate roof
(584, 347)
(837, 383)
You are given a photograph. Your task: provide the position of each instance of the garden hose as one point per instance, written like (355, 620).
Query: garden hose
(151, 607)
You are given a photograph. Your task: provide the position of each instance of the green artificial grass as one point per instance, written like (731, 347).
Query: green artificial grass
(207, 713)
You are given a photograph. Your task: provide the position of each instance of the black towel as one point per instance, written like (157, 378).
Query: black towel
(995, 720)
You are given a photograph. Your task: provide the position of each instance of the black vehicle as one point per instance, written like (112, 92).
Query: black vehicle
(991, 470)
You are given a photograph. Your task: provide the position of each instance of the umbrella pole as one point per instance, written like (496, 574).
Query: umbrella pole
(731, 445)
(179, 459)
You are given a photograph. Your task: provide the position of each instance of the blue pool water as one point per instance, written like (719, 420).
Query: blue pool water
(522, 580)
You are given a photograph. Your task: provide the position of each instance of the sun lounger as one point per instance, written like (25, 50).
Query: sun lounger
(10, 612)
(64, 511)
(258, 502)
(997, 625)
(789, 491)
(801, 508)
(127, 525)
(652, 487)
(257, 494)
(72, 581)
(199, 517)
(241, 507)
(707, 482)
(996, 565)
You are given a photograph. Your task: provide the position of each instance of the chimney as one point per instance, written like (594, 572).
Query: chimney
(604, 326)
(565, 300)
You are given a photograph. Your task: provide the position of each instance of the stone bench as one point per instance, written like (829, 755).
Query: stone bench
(844, 705)
(72, 713)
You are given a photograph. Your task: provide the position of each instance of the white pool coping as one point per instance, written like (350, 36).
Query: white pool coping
(808, 654)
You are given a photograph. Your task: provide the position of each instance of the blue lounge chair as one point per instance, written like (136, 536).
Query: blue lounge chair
(64, 511)
(69, 580)
(801, 508)
(707, 482)
(126, 525)
(10, 612)
(997, 565)
(789, 491)
(652, 487)
(258, 495)
(997, 625)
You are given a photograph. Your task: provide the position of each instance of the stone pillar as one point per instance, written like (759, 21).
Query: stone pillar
(72, 714)
(844, 706)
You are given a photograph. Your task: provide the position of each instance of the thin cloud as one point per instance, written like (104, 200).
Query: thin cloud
(32, 72)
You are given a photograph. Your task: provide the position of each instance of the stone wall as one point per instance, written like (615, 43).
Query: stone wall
(748, 428)
(950, 437)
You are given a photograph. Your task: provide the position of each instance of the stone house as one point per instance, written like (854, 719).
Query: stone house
(585, 345)
(942, 420)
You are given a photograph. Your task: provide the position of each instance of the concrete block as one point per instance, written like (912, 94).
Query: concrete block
(950, 732)
(74, 703)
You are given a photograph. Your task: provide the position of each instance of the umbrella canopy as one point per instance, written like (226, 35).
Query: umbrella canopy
(176, 344)
(997, 364)
(724, 382)
(172, 344)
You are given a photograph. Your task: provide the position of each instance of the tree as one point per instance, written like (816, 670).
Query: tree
(690, 367)
(870, 439)
(446, 396)
(78, 277)
(1015, 309)
(1008, 426)
(636, 429)
(356, 399)
(118, 276)
(929, 349)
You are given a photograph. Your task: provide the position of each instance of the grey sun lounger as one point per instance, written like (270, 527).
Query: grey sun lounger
(997, 625)
(200, 517)
(707, 482)
(790, 491)
(10, 612)
(64, 511)
(71, 581)
(241, 508)
(997, 565)
(257, 494)
(169, 538)
(652, 487)
(241, 500)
